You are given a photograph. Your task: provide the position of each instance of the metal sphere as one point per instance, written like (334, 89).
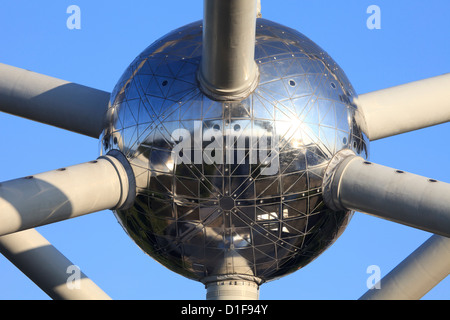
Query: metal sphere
(233, 189)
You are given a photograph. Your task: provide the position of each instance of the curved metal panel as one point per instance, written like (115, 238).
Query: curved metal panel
(233, 188)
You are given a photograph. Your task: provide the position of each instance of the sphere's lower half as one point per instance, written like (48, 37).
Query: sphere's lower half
(233, 188)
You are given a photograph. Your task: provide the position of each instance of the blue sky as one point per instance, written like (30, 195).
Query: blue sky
(412, 44)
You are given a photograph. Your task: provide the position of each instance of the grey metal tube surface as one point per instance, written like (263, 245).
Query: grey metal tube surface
(63, 194)
(391, 194)
(417, 274)
(31, 253)
(407, 107)
(232, 290)
(228, 70)
(52, 101)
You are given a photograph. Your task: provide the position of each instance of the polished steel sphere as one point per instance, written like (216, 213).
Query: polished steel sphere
(233, 189)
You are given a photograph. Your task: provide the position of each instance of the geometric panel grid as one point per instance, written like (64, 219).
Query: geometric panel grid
(227, 188)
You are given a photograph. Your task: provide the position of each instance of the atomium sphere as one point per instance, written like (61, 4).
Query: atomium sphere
(233, 189)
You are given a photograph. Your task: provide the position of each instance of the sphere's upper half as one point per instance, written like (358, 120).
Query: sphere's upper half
(233, 188)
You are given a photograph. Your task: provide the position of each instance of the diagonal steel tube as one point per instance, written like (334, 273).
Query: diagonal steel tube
(417, 274)
(50, 270)
(395, 195)
(408, 107)
(53, 196)
(52, 101)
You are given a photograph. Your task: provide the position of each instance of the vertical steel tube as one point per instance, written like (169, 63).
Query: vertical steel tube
(228, 70)
(232, 290)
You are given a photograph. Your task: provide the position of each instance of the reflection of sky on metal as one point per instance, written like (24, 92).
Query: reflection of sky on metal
(409, 47)
(299, 116)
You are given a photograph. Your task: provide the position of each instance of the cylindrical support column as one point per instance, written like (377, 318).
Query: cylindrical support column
(417, 274)
(409, 199)
(52, 101)
(58, 277)
(29, 202)
(232, 290)
(228, 70)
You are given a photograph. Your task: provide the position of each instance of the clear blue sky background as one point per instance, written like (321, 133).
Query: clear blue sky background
(414, 43)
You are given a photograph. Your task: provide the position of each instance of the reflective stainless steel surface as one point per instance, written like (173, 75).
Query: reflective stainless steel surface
(233, 188)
